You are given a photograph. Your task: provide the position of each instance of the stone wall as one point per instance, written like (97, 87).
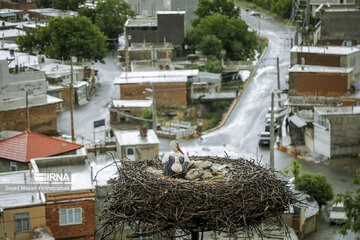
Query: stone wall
(345, 134)
(340, 25)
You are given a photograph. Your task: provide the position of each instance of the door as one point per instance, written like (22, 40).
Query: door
(130, 153)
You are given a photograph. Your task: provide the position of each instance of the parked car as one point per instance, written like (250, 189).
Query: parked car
(276, 129)
(278, 112)
(337, 214)
(264, 139)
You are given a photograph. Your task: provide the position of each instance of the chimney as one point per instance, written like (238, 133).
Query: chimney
(143, 132)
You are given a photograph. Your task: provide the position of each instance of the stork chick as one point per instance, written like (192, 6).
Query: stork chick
(175, 163)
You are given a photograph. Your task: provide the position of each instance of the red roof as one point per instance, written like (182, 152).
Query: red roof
(28, 145)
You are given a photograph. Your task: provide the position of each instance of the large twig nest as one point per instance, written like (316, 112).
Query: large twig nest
(241, 200)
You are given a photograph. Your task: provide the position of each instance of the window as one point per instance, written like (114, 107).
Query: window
(22, 222)
(70, 216)
(13, 166)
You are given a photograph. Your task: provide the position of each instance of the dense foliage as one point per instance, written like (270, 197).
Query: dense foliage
(111, 16)
(59, 4)
(316, 185)
(66, 37)
(209, 7)
(282, 8)
(351, 207)
(231, 33)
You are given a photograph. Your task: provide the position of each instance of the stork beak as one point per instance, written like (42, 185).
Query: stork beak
(180, 150)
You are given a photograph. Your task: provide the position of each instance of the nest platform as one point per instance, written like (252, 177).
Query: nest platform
(248, 196)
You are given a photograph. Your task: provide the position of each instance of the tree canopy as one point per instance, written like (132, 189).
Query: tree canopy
(209, 7)
(59, 4)
(282, 8)
(316, 185)
(351, 207)
(112, 15)
(66, 37)
(232, 33)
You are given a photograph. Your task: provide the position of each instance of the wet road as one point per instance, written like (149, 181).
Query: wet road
(97, 107)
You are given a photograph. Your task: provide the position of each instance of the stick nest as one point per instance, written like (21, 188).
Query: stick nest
(248, 196)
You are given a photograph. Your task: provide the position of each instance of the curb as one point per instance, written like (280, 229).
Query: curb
(288, 151)
(222, 122)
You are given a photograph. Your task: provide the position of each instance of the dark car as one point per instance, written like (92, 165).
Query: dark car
(264, 139)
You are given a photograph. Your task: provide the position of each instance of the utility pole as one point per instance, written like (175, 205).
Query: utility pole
(27, 112)
(71, 101)
(154, 107)
(278, 73)
(272, 133)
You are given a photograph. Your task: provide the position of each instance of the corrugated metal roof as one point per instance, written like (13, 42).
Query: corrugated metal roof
(299, 122)
(28, 145)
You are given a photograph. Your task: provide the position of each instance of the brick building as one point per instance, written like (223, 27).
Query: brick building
(167, 26)
(331, 56)
(319, 81)
(42, 107)
(171, 87)
(20, 4)
(71, 215)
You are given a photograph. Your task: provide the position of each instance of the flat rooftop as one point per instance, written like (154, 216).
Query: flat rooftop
(171, 12)
(22, 59)
(142, 21)
(132, 137)
(8, 33)
(318, 69)
(83, 168)
(56, 69)
(18, 198)
(155, 76)
(7, 10)
(132, 103)
(331, 50)
(337, 110)
(39, 100)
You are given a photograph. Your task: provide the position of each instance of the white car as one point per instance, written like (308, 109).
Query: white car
(337, 214)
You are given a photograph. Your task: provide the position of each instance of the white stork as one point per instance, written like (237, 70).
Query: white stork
(175, 163)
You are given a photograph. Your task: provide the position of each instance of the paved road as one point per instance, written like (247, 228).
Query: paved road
(97, 107)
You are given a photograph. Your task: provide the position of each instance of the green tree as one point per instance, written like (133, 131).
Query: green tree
(66, 37)
(88, 12)
(67, 4)
(294, 167)
(112, 15)
(233, 33)
(43, 3)
(213, 65)
(351, 207)
(209, 7)
(316, 186)
(59, 4)
(210, 45)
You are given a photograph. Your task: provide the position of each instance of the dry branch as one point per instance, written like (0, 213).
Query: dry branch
(240, 201)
